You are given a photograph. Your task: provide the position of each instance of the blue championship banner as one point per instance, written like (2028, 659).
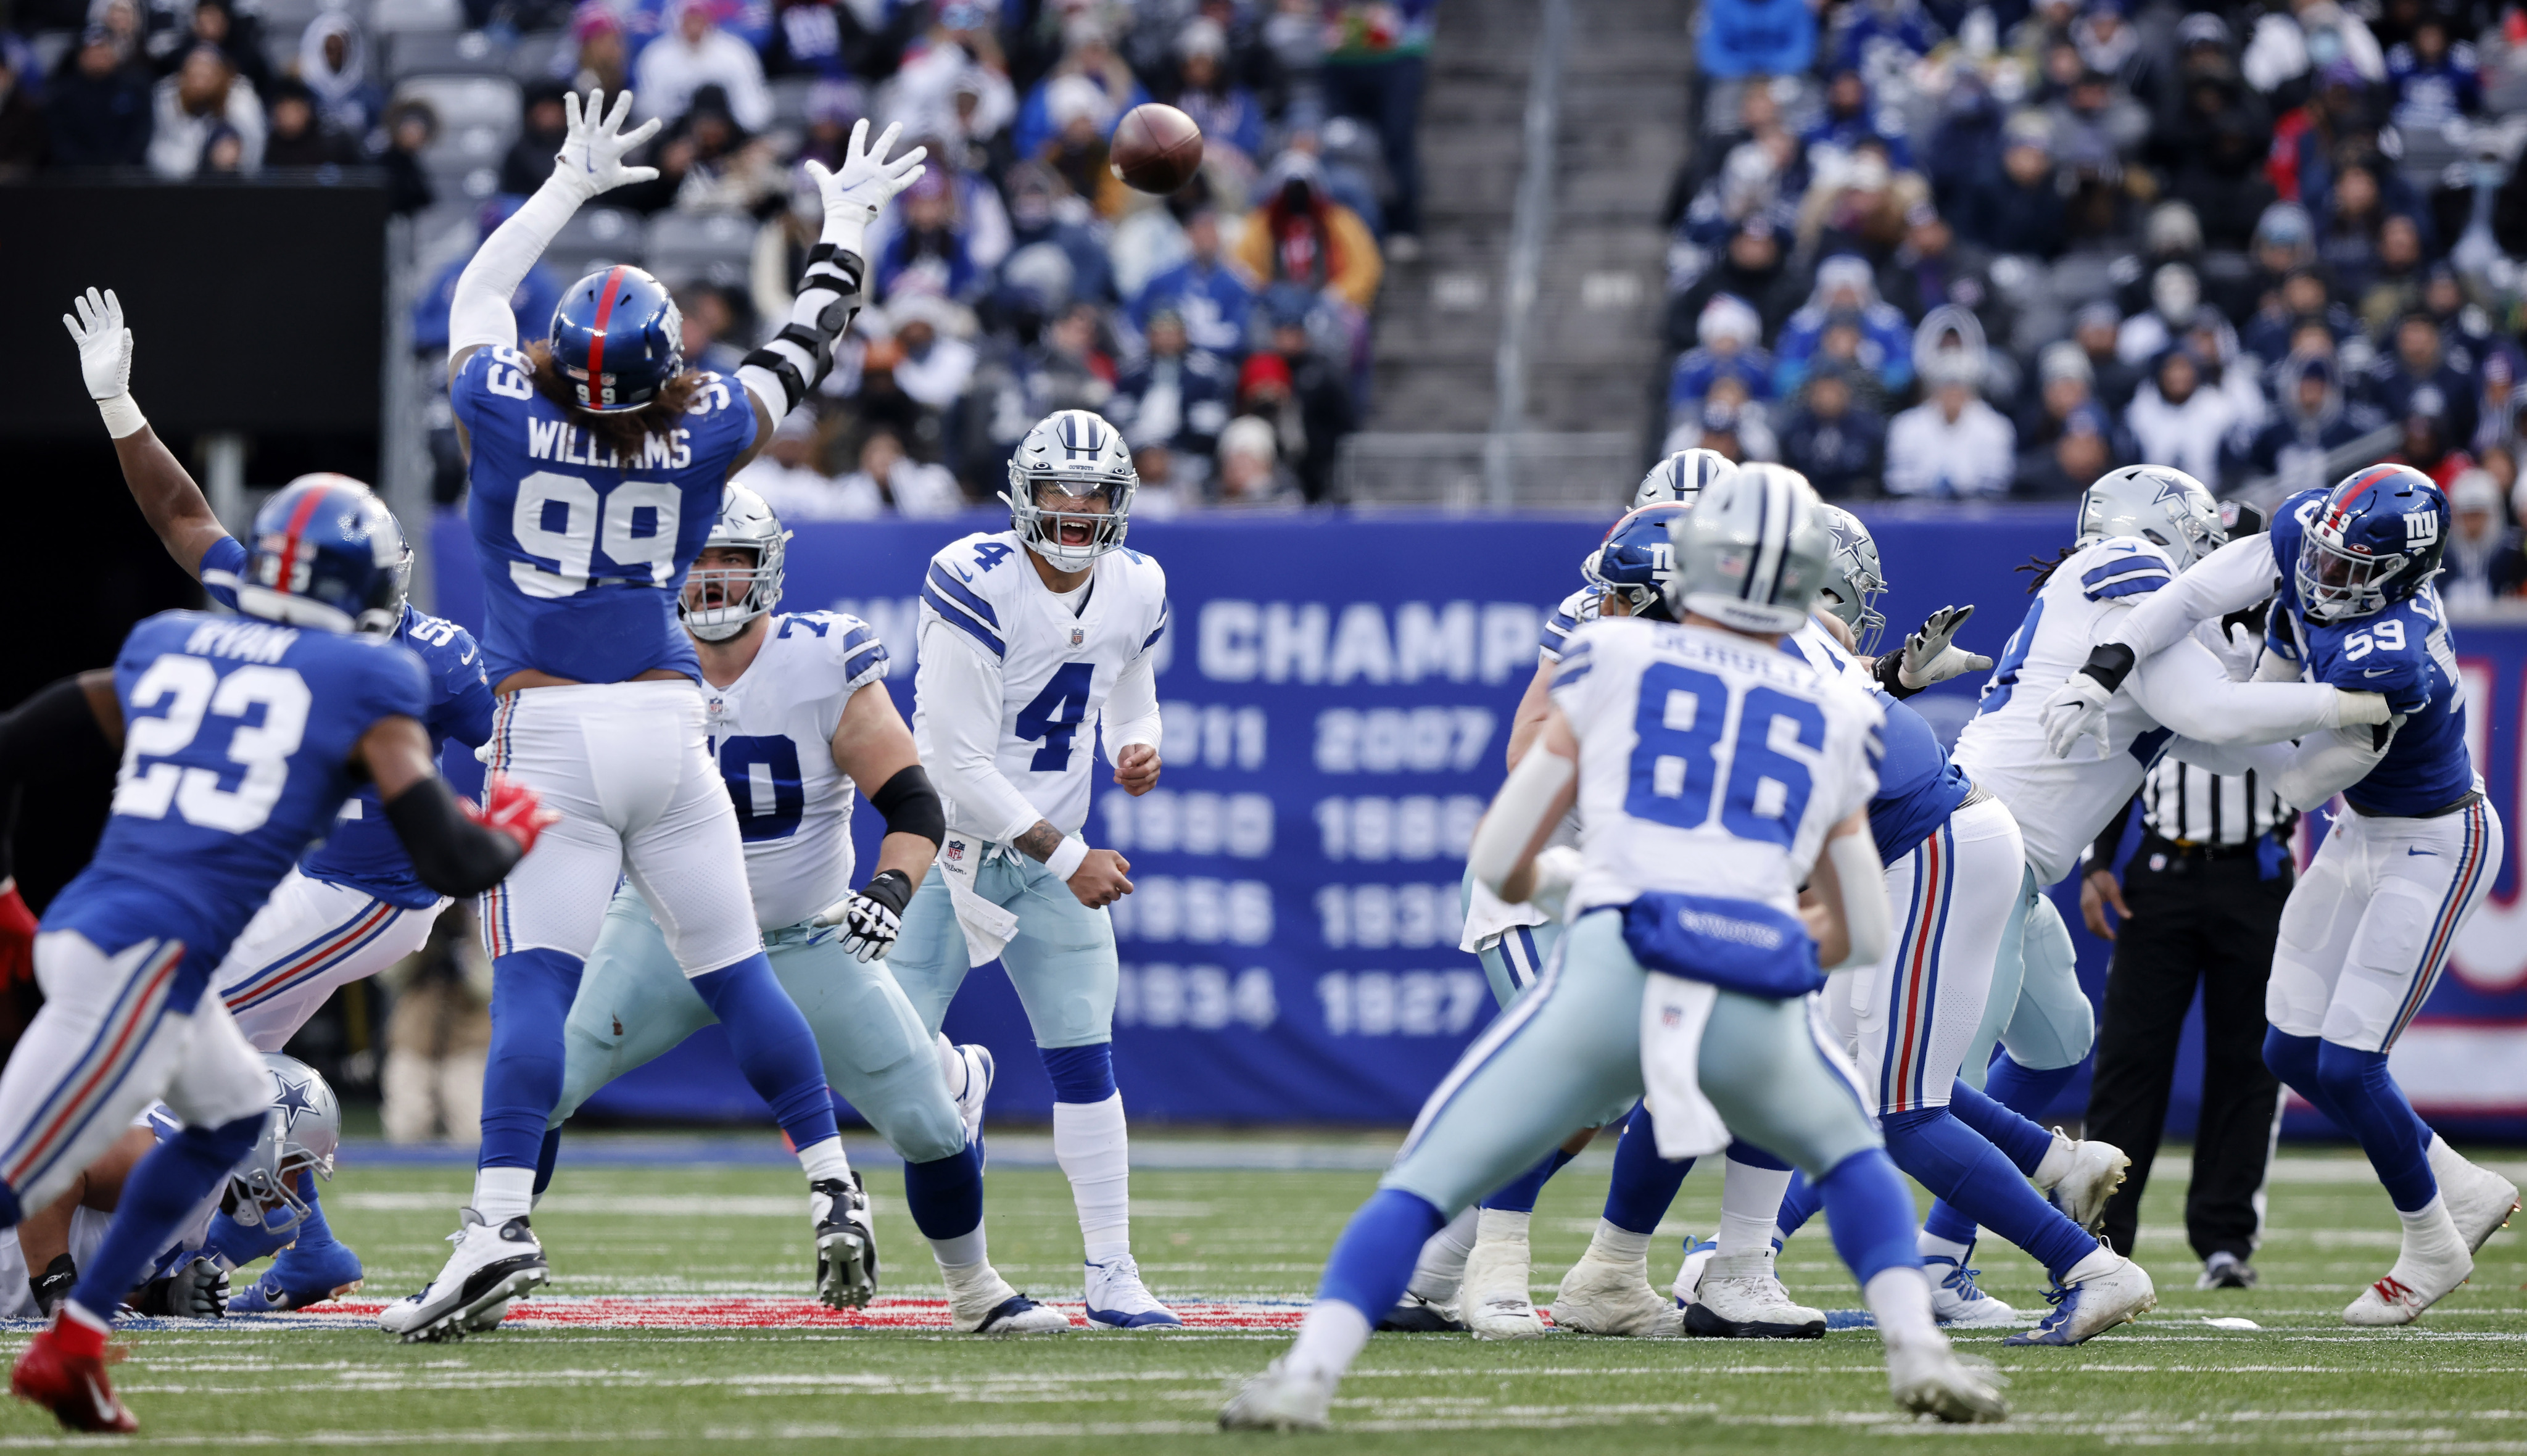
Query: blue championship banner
(1338, 693)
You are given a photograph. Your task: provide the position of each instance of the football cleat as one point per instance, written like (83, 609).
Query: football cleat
(2096, 1172)
(979, 1070)
(985, 1304)
(1955, 1298)
(64, 1372)
(1600, 1297)
(846, 1243)
(2226, 1271)
(1280, 1400)
(2094, 1305)
(1697, 1255)
(1118, 1300)
(300, 1276)
(2479, 1200)
(1493, 1300)
(1930, 1380)
(492, 1264)
(1416, 1314)
(1740, 1298)
(2423, 1276)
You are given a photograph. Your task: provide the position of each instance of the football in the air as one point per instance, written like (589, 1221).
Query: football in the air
(1155, 150)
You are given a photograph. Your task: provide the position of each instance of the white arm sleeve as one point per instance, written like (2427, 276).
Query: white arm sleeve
(2185, 687)
(1867, 918)
(1132, 708)
(479, 317)
(2306, 774)
(960, 706)
(1519, 811)
(2230, 579)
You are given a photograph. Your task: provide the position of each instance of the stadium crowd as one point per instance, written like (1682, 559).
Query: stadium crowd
(1225, 328)
(1941, 250)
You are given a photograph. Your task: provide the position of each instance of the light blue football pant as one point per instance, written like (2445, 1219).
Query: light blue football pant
(1061, 961)
(2037, 1008)
(635, 1006)
(1570, 1048)
(1513, 962)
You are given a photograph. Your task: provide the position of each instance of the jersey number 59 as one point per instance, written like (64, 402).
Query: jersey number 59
(1676, 768)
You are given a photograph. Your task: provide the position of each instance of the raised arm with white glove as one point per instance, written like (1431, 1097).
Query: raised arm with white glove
(105, 360)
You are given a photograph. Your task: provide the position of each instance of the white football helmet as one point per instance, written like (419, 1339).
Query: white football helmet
(1682, 477)
(1076, 458)
(300, 1136)
(1754, 553)
(2158, 503)
(747, 522)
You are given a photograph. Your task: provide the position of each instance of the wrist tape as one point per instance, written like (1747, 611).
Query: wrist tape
(122, 416)
(1066, 857)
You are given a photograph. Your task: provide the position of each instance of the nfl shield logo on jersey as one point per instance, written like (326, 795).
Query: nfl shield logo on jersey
(956, 852)
(1077, 636)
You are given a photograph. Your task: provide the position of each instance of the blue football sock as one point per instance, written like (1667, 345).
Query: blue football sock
(1798, 1205)
(1644, 1183)
(774, 1046)
(1958, 1165)
(163, 1191)
(2023, 1090)
(2292, 1058)
(1373, 1259)
(547, 1155)
(531, 996)
(1871, 1215)
(1080, 1073)
(2008, 1088)
(2397, 1143)
(944, 1195)
(2020, 1140)
(1520, 1195)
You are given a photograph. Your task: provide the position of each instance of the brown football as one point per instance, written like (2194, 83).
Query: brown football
(1155, 150)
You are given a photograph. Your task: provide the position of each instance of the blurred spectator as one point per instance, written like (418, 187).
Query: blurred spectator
(1301, 237)
(1723, 429)
(1054, 254)
(2465, 331)
(1306, 396)
(1882, 36)
(2298, 302)
(332, 60)
(597, 57)
(696, 53)
(21, 124)
(2397, 286)
(1830, 437)
(926, 254)
(2175, 298)
(2415, 377)
(2428, 447)
(2016, 207)
(2211, 151)
(1851, 122)
(2065, 385)
(538, 294)
(2075, 458)
(1951, 445)
(238, 38)
(2485, 558)
(2309, 37)
(1846, 293)
(935, 365)
(298, 138)
(708, 162)
(2107, 42)
(2311, 419)
(835, 40)
(881, 403)
(1168, 488)
(438, 1038)
(2496, 413)
(889, 477)
(530, 159)
(202, 97)
(1729, 336)
(1750, 268)
(1250, 470)
(1212, 298)
(2433, 80)
(1081, 118)
(2095, 120)
(2179, 419)
(2096, 327)
(1935, 267)
(786, 476)
(1175, 396)
(1088, 56)
(708, 322)
(410, 128)
(96, 110)
(1373, 71)
(1227, 113)
(1743, 38)
(954, 81)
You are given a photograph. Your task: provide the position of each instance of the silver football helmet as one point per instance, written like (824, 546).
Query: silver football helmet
(748, 523)
(1071, 459)
(2158, 503)
(1753, 553)
(300, 1136)
(1682, 477)
(1853, 579)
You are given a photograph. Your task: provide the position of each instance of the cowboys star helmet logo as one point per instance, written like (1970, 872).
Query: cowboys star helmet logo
(291, 1103)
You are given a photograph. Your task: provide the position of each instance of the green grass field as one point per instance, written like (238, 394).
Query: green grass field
(2456, 1382)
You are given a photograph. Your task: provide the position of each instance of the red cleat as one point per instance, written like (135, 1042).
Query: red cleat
(64, 1372)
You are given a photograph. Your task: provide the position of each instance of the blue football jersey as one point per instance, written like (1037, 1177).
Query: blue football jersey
(1917, 785)
(237, 743)
(2403, 652)
(361, 850)
(582, 551)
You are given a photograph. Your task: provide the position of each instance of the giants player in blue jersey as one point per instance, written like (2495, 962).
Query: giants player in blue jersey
(597, 465)
(2367, 930)
(353, 905)
(243, 737)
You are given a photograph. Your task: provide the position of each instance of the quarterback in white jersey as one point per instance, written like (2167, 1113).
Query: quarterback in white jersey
(1034, 641)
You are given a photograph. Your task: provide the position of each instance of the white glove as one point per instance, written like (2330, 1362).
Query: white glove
(868, 180)
(1556, 869)
(872, 918)
(2077, 710)
(105, 359)
(2237, 647)
(590, 159)
(1930, 655)
(2359, 707)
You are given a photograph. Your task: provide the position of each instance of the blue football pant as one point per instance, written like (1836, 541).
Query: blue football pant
(1062, 962)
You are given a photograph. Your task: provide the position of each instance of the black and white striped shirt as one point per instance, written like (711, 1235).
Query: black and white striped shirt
(2194, 806)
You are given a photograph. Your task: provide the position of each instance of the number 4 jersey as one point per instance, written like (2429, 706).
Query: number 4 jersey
(582, 550)
(1014, 677)
(237, 747)
(1709, 764)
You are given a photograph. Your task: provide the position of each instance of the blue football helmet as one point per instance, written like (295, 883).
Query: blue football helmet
(2372, 542)
(1636, 561)
(1682, 477)
(617, 339)
(326, 553)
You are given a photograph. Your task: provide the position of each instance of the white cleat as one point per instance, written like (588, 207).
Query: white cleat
(1697, 1257)
(1741, 1298)
(2422, 1277)
(1280, 1400)
(2479, 1200)
(2094, 1305)
(1600, 1297)
(846, 1243)
(1493, 1300)
(979, 1070)
(1930, 1380)
(985, 1304)
(1956, 1300)
(492, 1264)
(1118, 1300)
(2096, 1171)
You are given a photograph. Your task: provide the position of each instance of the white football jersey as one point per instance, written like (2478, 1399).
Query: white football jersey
(2062, 803)
(1057, 658)
(772, 732)
(1577, 607)
(1709, 764)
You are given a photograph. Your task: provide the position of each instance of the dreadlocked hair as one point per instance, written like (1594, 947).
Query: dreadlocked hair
(2044, 568)
(623, 431)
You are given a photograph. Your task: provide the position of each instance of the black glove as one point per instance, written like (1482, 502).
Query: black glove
(194, 1290)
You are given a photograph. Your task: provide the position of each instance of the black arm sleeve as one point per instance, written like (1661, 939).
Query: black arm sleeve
(910, 805)
(2101, 853)
(452, 854)
(51, 735)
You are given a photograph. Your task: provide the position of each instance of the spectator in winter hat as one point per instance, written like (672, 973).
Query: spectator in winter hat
(530, 159)
(2078, 455)
(1935, 267)
(333, 60)
(1951, 445)
(1846, 283)
(695, 53)
(97, 108)
(1212, 297)
(1851, 122)
(298, 138)
(1229, 116)
(2485, 560)
(2016, 207)
(1088, 54)
(597, 56)
(1250, 472)
(2415, 377)
(1174, 395)
(2177, 420)
(1728, 332)
(2311, 419)
(2175, 297)
(1298, 235)
(202, 97)
(2096, 328)
(1833, 439)
(2465, 333)
(2065, 383)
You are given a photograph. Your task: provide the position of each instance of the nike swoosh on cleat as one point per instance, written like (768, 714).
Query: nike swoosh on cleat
(105, 1411)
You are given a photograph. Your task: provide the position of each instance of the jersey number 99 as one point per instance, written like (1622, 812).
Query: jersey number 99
(1683, 713)
(562, 519)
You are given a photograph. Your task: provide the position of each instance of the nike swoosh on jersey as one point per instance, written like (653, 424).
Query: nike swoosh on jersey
(2376, 671)
(2434, 853)
(962, 574)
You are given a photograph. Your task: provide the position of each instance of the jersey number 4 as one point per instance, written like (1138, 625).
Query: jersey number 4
(1055, 715)
(1676, 768)
(764, 781)
(191, 687)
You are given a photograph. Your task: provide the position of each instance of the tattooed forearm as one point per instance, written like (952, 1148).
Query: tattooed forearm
(1039, 843)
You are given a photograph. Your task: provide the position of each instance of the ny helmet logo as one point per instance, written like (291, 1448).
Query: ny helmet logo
(2421, 528)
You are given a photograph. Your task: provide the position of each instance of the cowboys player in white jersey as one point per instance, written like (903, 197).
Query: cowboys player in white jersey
(1033, 639)
(797, 713)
